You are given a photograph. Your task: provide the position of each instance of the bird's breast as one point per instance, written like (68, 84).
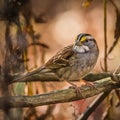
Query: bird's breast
(80, 64)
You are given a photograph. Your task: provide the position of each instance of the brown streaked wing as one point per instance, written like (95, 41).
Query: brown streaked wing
(61, 59)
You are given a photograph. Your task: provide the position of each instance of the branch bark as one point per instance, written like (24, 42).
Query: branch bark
(48, 77)
(60, 96)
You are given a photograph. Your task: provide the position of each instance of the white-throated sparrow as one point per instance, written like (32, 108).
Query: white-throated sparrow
(72, 62)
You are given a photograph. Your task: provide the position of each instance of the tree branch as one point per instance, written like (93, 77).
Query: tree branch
(60, 96)
(52, 77)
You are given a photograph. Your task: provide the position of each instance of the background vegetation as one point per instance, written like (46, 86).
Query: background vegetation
(31, 33)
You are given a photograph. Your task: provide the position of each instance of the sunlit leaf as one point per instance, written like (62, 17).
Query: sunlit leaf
(87, 3)
(19, 89)
(30, 89)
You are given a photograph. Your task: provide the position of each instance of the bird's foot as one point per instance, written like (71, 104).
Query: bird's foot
(74, 86)
(81, 84)
(86, 83)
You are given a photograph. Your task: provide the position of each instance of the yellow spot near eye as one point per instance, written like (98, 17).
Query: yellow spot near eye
(83, 38)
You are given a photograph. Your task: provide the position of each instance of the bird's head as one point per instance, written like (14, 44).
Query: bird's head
(84, 42)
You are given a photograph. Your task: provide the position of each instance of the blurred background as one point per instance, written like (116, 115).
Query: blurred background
(38, 29)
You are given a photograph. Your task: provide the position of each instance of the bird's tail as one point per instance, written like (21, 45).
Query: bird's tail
(40, 74)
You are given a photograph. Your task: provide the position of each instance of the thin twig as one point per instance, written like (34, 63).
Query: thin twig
(106, 111)
(93, 106)
(117, 29)
(105, 35)
(117, 70)
(115, 6)
(39, 44)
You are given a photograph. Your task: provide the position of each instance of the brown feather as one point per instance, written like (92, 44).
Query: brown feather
(61, 59)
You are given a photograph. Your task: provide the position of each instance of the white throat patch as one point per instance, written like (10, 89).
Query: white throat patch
(81, 49)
